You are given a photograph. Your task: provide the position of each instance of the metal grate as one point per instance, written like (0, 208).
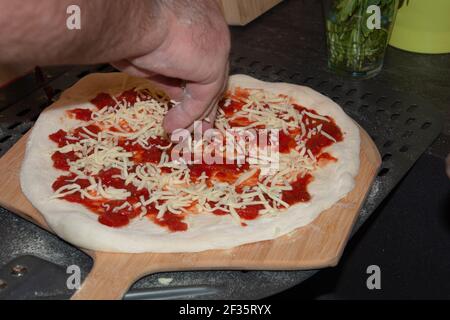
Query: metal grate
(22, 101)
(402, 125)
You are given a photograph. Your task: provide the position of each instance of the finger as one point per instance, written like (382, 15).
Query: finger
(210, 118)
(195, 103)
(172, 87)
(199, 101)
(210, 114)
(127, 67)
(208, 121)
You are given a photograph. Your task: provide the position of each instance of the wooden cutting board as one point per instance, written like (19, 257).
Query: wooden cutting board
(317, 245)
(241, 12)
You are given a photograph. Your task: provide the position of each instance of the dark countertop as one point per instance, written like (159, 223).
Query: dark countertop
(408, 235)
(296, 31)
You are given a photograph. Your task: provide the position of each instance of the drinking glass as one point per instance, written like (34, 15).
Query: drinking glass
(357, 33)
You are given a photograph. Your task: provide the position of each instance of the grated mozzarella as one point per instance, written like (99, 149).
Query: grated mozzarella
(174, 192)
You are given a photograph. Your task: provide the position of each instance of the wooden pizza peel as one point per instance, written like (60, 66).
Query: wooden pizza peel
(317, 245)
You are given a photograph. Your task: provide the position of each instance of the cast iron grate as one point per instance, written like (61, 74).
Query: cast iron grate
(402, 125)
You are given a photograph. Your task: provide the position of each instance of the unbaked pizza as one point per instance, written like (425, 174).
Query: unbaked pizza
(105, 175)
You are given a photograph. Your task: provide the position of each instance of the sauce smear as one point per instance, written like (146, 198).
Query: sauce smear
(119, 213)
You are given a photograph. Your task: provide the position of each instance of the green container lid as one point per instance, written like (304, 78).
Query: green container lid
(422, 26)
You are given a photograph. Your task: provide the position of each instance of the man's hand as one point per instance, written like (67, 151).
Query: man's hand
(195, 51)
(172, 42)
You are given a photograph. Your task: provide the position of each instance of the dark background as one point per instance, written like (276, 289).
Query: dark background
(408, 236)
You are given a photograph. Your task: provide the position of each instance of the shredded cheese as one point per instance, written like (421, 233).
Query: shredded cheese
(174, 192)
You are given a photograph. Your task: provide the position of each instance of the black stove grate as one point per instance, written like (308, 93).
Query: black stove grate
(401, 124)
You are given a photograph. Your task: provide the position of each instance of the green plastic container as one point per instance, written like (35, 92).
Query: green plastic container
(422, 26)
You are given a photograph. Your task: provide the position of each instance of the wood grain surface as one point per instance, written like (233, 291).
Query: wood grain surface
(317, 245)
(241, 12)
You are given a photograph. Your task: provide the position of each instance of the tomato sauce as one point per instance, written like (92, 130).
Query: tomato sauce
(61, 160)
(316, 143)
(174, 222)
(219, 172)
(299, 192)
(103, 100)
(63, 138)
(114, 219)
(110, 178)
(60, 138)
(107, 210)
(80, 114)
(250, 212)
(150, 154)
(326, 157)
(247, 213)
(129, 96)
(286, 141)
(235, 102)
(240, 122)
(220, 212)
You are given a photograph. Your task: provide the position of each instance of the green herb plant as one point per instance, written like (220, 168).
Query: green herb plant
(352, 45)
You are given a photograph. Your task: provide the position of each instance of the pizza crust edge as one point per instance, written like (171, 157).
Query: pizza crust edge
(79, 226)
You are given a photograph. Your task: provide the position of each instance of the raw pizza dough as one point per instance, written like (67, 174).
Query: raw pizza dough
(79, 226)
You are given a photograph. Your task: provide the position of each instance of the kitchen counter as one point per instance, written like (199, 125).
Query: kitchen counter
(407, 236)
